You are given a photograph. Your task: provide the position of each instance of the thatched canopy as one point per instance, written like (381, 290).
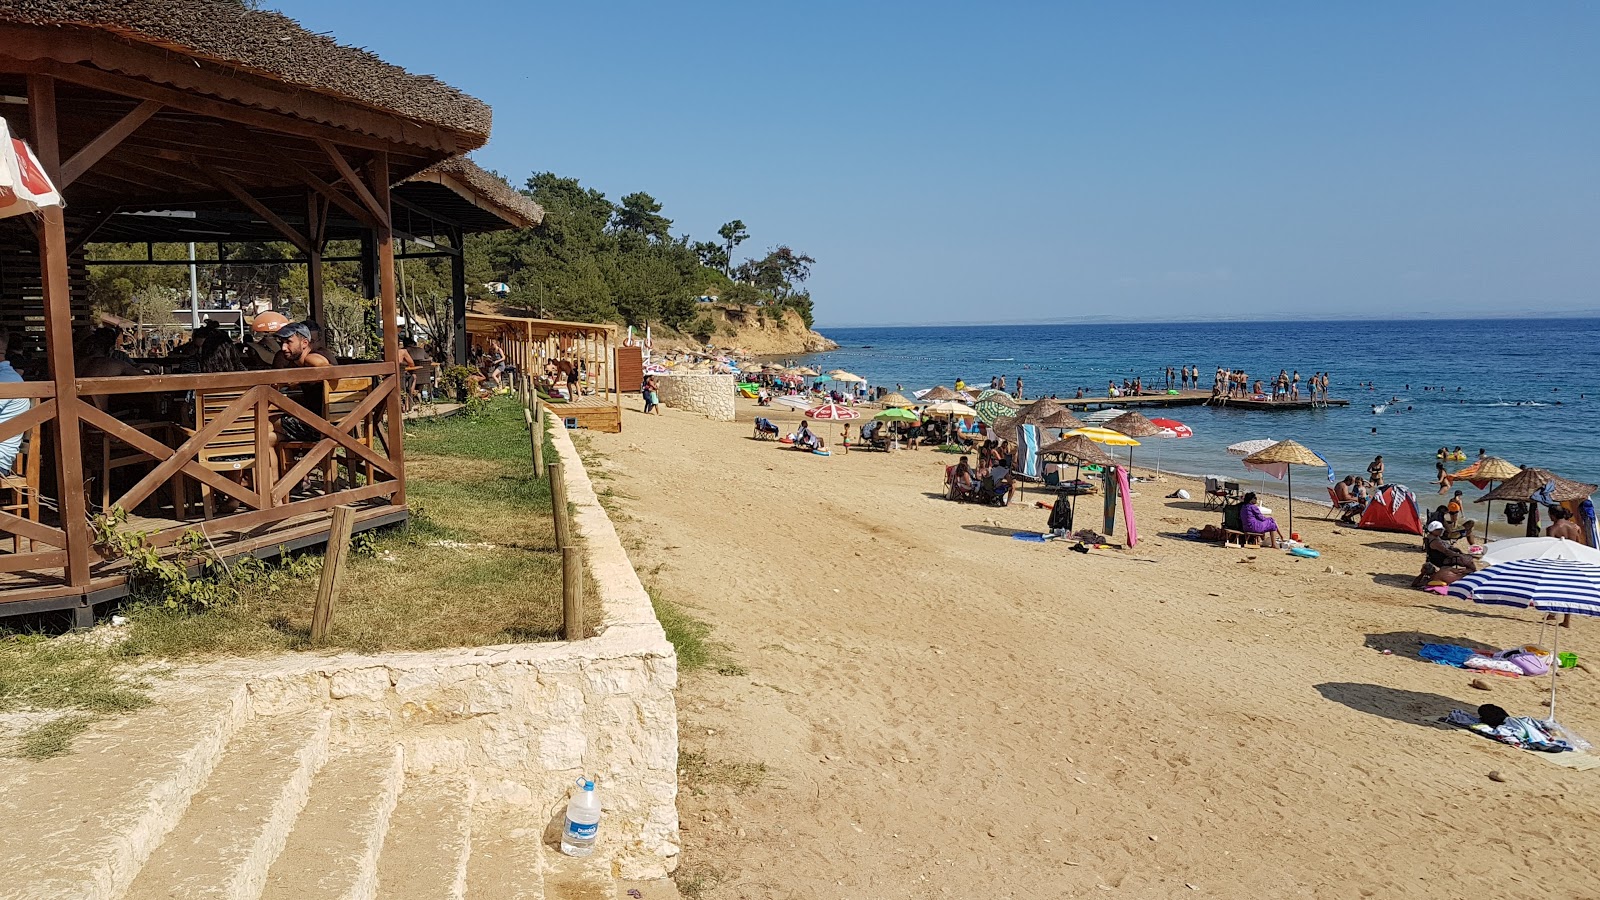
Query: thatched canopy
(897, 399)
(1040, 409)
(1133, 424)
(1528, 482)
(1078, 449)
(475, 194)
(940, 393)
(1006, 429)
(1063, 419)
(1493, 468)
(223, 35)
(1291, 452)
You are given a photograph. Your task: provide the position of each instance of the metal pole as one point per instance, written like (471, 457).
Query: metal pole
(194, 291)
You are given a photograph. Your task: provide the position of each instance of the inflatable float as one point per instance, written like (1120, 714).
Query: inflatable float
(1304, 552)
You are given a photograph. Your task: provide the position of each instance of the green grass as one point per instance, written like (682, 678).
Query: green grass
(691, 638)
(476, 565)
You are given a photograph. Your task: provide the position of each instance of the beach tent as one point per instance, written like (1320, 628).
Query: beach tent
(1393, 508)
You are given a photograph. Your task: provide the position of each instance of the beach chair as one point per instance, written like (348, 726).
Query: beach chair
(1333, 504)
(1233, 527)
(1216, 497)
(1232, 492)
(765, 430)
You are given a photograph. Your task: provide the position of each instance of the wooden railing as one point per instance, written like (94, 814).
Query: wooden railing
(358, 435)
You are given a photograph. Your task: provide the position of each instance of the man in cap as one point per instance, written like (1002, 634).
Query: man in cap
(296, 352)
(1445, 564)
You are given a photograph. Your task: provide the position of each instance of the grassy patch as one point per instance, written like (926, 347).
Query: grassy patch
(698, 770)
(691, 637)
(53, 738)
(38, 673)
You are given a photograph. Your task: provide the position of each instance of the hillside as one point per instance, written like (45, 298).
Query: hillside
(749, 330)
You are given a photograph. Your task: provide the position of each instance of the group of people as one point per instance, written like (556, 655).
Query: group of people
(1232, 383)
(992, 482)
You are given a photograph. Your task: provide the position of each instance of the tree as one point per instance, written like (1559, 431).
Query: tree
(640, 214)
(733, 234)
(712, 255)
(779, 273)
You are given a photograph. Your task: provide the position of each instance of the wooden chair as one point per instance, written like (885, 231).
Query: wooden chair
(19, 491)
(232, 450)
(339, 398)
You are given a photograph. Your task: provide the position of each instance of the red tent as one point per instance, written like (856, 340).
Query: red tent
(1393, 508)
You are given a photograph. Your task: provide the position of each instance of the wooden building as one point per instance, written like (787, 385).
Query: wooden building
(533, 344)
(172, 120)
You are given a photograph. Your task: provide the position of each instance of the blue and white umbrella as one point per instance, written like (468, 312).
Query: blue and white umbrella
(1565, 586)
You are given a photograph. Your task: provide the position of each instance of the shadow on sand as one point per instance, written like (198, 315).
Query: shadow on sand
(1475, 613)
(1409, 643)
(994, 530)
(1395, 545)
(1410, 707)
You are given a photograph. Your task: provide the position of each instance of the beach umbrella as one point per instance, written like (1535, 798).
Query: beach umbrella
(1134, 425)
(1170, 428)
(1289, 453)
(951, 408)
(1061, 421)
(1040, 409)
(1104, 436)
(1537, 486)
(1247, 448)
(1080, 451)
(1482, 474)
(842, 375)
(798, 401)
(897, 414)
(993, 405)
(24, 187)
(897, 399)
(1552, 586)
(938, 394)
(1005, 429)
(1102, 416)
(832, 412)
(807, 371)
(1513, 549)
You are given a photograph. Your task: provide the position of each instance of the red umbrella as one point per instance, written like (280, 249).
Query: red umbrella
(1171, 428)
(832, 412)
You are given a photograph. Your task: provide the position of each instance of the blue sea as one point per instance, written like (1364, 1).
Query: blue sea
(1525, 390)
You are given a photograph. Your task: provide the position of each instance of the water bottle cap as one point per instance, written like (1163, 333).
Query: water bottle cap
(588, 783)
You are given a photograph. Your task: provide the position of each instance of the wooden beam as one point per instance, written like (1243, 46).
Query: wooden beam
(107, 140)
(379, 175)
(213, 381)
(42, 124)
(356, 210)
(256, 206)
(379, 211)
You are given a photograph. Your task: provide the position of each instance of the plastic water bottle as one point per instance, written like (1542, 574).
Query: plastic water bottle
(583, 820)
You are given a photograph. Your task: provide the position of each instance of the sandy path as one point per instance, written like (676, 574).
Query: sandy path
(946, 712)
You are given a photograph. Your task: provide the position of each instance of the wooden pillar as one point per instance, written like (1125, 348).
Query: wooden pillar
(58, 335)
(378, 176)
(458, 299)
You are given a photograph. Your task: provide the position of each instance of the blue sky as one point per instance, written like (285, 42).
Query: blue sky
(967, 162)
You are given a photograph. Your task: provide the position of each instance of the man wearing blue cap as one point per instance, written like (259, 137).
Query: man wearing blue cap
(296, 353)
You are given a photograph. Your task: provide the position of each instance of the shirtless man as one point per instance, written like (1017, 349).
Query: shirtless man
(296, 353)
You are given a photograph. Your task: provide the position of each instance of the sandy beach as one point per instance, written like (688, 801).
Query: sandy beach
(918, 705)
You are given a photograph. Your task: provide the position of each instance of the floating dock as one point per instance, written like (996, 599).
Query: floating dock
(1197, 398)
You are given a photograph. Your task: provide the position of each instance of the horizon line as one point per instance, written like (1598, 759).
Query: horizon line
(1113, 320)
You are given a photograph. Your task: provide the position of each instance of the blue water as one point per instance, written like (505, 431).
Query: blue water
(1479, 371)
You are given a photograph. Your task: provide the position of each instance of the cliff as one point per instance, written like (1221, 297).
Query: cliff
(746, 331)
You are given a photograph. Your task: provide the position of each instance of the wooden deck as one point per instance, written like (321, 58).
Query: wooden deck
(42, 590)
(594, 411)
(1197, 398)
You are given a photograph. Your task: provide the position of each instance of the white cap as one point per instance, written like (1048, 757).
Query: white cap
(1435, 526)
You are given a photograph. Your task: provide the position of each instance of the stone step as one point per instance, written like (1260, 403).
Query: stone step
(507, 861)
(236, 825)
(332, 853)
(426, 852)
(90, 819)
(577, 878)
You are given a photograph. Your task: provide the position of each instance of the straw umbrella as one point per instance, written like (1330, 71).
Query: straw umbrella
(897, 399)
(1134, 425)
(1290, 453)
(1061, 421)
(1040, 409)
(1486, 471)
(1081, 451)
(1528, 482)
(939, 394)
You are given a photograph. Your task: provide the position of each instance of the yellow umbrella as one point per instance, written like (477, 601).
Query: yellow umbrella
(1104, 436)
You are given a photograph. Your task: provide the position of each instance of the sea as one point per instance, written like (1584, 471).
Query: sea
(1526, 390)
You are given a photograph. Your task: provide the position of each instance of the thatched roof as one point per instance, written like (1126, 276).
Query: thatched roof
(1530, 481)
(1292, 452)
(504, 200)
(939, 393)
(266, 44)
(1134, 424)
(1079, 449)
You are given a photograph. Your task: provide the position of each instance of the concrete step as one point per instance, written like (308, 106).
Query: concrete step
(237, 824)
(332, 853)
(506, 861)
(82, 824)
(577, 878)
(426, 852)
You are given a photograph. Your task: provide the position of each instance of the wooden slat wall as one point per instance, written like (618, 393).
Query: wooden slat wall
(22, 296)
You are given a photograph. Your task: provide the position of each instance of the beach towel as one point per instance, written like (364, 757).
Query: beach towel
(1028, 451)
(1127, 506)
(1446, 654)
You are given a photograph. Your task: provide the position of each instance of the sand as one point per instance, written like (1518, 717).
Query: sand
(943, 711)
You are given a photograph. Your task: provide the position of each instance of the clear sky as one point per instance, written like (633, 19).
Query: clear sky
(996, 162)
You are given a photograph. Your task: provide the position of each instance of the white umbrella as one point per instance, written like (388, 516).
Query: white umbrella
(1249, 448)
(798, 401)
(1100, 416)
(1537, 548)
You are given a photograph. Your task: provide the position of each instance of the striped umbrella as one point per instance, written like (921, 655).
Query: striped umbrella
(1566, 586)
(994, 405)
(832, 412)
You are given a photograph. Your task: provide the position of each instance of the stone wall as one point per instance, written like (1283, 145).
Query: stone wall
(524, 721)
(709, 395)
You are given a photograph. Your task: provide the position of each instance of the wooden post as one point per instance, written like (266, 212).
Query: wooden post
(314, 274)
(378, 175)
(558, 504)
(332, 570)
(536, 427)
(571, 594)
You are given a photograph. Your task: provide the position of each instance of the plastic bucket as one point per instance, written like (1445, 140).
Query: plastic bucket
(1567, 660)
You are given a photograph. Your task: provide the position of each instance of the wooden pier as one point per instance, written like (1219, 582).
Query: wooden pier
(1196, 398)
